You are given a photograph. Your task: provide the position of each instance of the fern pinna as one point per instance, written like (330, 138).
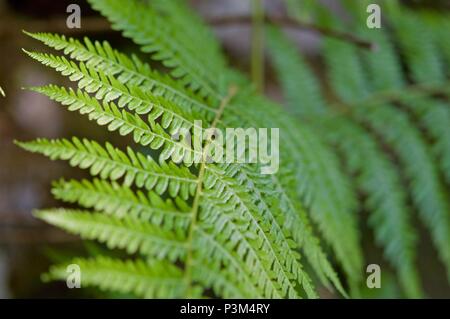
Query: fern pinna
(390, 126)
(196, 230)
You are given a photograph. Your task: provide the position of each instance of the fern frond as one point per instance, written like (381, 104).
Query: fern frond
(425, 66)
(345, 71)
(365, 82)
(287, 219)
(310, 178)
(334, 211)
(152, 134)
(216, 249)
(222, 283)
(298, 80)
(428, 193)
(434, 118)
(293, 148)
(316, 167)
(196, 35)
(180, 60)
(298, 223)
(386, 199)
(129, 70)
(438, 24)
(110, 162)
(128, 233)
(96, 55)
(414, 37)
(424, 62)
(121, 201)
(225, 230)
(155, 280)
(145, 26)
(287, 280)
(108, 88)
(286, 266)
(432, 115)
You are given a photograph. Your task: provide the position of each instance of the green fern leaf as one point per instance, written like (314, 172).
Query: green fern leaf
(110, 162)
(155, 280)
(126, 233)
(121, 201)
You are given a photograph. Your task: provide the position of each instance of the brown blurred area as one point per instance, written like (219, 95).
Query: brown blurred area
(27, 246)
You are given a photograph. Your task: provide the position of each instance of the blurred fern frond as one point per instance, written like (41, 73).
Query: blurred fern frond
(390, 125)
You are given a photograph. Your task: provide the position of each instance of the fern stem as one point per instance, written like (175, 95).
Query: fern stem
(196, 204)
(257, 54)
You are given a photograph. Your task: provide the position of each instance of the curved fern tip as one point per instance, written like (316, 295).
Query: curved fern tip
(19, 143)
(39, 213)
(30, 34)
(29, 53)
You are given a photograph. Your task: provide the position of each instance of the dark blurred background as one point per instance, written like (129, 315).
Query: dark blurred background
(27, 246)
